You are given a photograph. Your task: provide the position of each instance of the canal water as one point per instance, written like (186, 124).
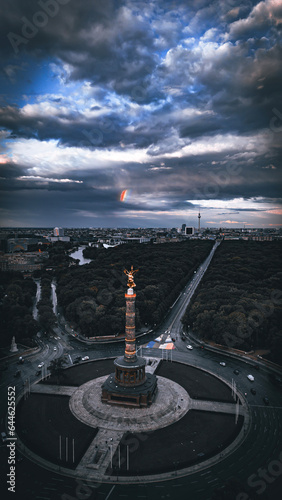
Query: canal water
(79, 255)
(37, 298)
(54, 296)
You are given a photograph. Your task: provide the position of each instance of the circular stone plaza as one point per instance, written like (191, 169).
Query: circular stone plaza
(131, 419)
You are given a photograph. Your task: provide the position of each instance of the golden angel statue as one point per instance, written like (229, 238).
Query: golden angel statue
(130, 274)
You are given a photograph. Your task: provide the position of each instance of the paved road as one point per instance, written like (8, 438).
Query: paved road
(262, 446)
(259, 455)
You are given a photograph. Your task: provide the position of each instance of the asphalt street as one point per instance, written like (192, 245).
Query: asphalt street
(257, 463)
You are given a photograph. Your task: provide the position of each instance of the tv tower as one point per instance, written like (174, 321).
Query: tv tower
(199, 222)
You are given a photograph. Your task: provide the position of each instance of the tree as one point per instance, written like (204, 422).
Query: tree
(56, 368)
(47, 318)
(163, 272)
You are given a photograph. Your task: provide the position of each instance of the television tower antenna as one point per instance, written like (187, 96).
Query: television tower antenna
(199, 222)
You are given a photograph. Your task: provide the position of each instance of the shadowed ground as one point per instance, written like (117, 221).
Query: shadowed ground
(198, 384)
(194, 438)
(77, 375)
(42, 418)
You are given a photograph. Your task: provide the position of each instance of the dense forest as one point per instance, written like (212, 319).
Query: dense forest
(46, 317)
(239, 301)
(17, 296)
(92, 296)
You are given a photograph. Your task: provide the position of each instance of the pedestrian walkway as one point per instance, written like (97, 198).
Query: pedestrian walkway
(172, 403)
(99, 455)
(58, 390)
(217, 407)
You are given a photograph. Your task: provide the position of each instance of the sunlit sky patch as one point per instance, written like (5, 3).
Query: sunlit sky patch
(166, 106)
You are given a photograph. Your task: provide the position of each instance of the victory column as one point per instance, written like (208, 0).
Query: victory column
(130, 386)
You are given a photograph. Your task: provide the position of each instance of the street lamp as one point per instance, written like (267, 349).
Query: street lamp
(175, 465)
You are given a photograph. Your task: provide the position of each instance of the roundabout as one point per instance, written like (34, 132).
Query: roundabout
(171, 404)
(67, 428)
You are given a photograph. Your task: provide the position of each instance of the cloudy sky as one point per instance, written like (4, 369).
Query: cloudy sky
(176, 102)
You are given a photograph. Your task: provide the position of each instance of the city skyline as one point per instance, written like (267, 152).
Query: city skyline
(141, 114)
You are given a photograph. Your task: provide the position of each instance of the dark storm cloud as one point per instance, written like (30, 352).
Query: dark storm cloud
(102, 41)
(161, 76)
(111, 43)
(9, 171)
(69, 128)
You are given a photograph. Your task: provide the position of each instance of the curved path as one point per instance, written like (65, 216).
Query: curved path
(260, 450)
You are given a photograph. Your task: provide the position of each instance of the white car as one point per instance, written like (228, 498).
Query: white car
(85, 358)
(41, 364)
(222, 363)
(189, 347)
(251, 378)
(55, 348)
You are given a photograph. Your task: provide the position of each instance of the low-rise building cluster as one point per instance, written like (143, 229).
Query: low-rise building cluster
(26, 249)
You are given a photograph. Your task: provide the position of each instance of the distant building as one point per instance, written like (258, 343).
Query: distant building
(3, 242)
(189, 231)
(183, 227)
(3, 262)
(28, 261)
(20, 244)
(58, 238)
(58, 231)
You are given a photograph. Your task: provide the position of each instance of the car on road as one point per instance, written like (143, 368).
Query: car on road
(266, 401)
(3, 437)
(236, 372)
(222, 363)
(55, 348)
(274, 379)
(189, 347)
(19, 458)
(183, 338)
(253, 391)
(85, 358)
(251, 378)
(41, 364)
